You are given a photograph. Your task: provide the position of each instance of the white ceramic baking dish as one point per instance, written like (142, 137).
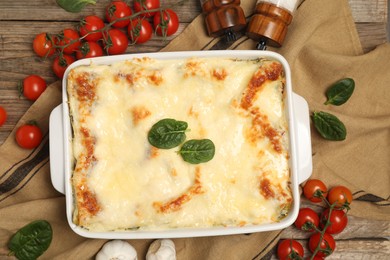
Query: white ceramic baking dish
(300, 149)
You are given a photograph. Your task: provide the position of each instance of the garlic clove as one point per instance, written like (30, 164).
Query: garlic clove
(161, 249)
(117, 250)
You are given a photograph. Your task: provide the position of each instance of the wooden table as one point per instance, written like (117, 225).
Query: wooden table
(21, 20)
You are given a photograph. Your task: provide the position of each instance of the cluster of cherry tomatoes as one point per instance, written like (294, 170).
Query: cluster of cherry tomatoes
(111, 35)
(331, 221)
(121, 26)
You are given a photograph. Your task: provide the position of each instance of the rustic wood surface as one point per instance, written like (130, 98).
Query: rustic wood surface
(361, 239)
(21, 20)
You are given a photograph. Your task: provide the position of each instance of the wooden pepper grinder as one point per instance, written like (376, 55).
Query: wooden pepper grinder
(223, 17)
(269, 23)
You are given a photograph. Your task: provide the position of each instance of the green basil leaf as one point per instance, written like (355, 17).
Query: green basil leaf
(74, 6)
(31, 240)
(329, 126)
(340, 92)
(197, 151)
(167, 133)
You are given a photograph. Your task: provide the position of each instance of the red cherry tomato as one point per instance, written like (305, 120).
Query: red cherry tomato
(140, 31)
(70, 39)
(338, 221)
(89, 50)
(91, 27)
(117, 10)
(313, 188)
(28, 136)
(43, 45)
(115, 41)
(166, 22)
(289, 249)
(144, 5)
(328, 244)
(307, 219)
(32, 87)
(341, 196)
(3, 115)
(60, 64)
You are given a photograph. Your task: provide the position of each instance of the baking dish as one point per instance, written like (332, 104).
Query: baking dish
(300, 148)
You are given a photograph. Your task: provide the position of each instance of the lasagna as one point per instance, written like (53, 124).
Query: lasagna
(121, 182)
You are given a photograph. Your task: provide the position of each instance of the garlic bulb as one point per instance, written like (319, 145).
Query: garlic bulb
(117, 250)
(162, 249)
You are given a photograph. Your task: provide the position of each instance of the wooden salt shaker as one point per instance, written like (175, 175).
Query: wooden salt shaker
(268, 25)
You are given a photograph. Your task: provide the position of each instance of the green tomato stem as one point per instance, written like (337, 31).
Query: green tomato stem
(105, 28)
(322, 232)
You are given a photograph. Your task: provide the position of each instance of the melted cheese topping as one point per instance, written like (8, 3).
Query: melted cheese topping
(121, 182)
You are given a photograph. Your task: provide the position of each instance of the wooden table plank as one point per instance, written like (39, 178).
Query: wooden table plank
(372, 35)
(363, 11)
(357, 228)
(364, 249)
(361, 239)
(42, 10)
(373, 11)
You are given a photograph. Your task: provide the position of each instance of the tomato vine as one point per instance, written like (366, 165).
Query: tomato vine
(333, 219)
(114, 38)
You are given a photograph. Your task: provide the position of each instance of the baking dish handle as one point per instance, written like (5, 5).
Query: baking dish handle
(303, 138)
(56, 148)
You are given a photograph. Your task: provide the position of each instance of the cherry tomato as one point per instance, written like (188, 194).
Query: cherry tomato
(338, 221)
(89, 50)
(314, 187)
(43, 45)
(32, 87)
(3, 115)
(307, 218)
(143, 5)
(340, 195)
(91, 27)
(70, 39)
(116, 10)
(115, 41)
(28, 136)
(140, 31)
(61, 63)
(328, 244)
(289, 249)
(166, 22)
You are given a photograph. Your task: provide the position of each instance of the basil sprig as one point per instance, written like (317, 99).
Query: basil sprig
(340, 92)
(167, 133)
(197, 151)
(74, 6)
(329, 126)
(31, 241)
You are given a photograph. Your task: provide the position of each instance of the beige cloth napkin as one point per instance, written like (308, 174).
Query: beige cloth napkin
(322, 46)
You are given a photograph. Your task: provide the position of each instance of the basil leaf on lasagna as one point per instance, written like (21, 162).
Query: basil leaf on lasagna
(329, 126)
(197, 151)
(167, 133)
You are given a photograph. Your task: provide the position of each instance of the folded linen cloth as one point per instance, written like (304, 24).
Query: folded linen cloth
(321, 46)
